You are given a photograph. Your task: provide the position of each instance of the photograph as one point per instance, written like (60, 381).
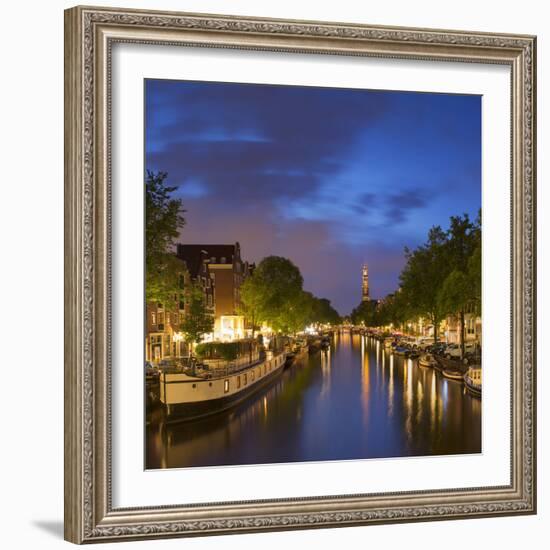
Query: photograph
(313, 274)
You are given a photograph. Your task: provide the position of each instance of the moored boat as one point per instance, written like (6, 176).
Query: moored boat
(188, 397)
(325, 342)
(388, 342)
(289, 358)
(453, 374)
(472, 380)
(450, 368)
(427, 360)
(314, 345)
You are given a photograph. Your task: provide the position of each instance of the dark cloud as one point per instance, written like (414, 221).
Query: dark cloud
(399, 206)
(242, 139)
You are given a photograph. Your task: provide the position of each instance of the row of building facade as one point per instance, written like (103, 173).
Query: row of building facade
(220, 272)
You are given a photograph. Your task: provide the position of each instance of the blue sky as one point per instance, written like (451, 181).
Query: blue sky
(327, 177)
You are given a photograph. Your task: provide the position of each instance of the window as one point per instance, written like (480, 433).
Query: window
(210, 300)
(154, 318)
(252, 376)
(222, 260)
(245, 379)
(225, 386)
(238, 382)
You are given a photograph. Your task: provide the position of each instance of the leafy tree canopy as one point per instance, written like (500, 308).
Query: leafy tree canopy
(198, 320)
(163, 221)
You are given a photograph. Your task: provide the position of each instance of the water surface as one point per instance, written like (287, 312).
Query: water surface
(354, 401)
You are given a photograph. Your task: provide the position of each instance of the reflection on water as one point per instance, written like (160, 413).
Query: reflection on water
(356, 400)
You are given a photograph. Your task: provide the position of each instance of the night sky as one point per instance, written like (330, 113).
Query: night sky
(330, 178)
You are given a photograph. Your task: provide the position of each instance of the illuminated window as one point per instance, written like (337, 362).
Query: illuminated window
(153, 318)
(226, 386)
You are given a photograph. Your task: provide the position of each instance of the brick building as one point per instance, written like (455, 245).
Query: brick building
(227, 271)
(163, 336)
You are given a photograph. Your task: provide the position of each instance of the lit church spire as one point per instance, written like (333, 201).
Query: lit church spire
(365, 286)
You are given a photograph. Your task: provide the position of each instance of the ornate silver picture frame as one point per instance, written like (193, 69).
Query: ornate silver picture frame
(90, 34)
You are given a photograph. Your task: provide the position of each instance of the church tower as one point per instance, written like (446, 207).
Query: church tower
(365, 285)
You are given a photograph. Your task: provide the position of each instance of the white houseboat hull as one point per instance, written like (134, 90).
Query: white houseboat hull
(188, 398)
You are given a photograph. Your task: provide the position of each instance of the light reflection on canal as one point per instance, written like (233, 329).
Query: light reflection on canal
(354, 401)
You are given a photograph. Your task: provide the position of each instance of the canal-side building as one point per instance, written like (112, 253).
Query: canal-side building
(162, 335)
(472, 328)
(227, 271)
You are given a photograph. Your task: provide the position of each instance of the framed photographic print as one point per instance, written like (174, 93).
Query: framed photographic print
(300, 274)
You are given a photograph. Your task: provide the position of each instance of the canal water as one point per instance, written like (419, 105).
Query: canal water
(354, 401)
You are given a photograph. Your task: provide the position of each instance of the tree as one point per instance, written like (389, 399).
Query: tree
(271, 291)
(165, 285)
(365, 313)
(422, 278)
(459, 290)
(474, 276)
(198, 321)
(163, 220)
(455, 294)
(251, 302)
(298, 314)
(324, 313)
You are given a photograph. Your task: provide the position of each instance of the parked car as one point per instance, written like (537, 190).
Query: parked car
(151, 372)
(424, 342)
(437, 349)
(454, 350)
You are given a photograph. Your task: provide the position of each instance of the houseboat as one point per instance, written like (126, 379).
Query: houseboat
(427, 360)
(472, 380)
(453, 374)
(189, 396)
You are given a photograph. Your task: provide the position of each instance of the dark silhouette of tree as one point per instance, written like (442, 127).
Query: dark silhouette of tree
(163, 221)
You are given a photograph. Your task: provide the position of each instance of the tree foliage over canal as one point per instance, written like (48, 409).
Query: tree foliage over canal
(441, 277)
(274, 295)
